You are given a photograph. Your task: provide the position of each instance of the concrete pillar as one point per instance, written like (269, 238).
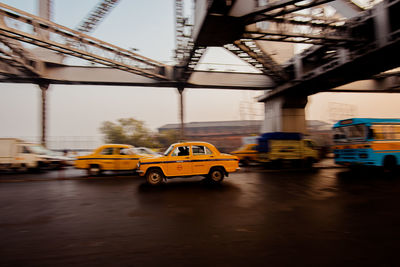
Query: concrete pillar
(181, 112)
(285, 114)
(381, 23)
(43, 89)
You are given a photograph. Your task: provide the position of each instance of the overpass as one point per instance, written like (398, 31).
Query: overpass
(345, 55)
(349, 50)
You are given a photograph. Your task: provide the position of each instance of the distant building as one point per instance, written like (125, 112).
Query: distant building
(228, 135)
(225, 135)
(320, 132)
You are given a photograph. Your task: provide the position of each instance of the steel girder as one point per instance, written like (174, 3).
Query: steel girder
(96, 15)
(74, 43)
(251, 53)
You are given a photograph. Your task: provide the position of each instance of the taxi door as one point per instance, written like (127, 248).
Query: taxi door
(107, 160)
(202, 158)
(124, 161)
(179, 163)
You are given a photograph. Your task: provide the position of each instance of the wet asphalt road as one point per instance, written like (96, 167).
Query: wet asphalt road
(326, 217)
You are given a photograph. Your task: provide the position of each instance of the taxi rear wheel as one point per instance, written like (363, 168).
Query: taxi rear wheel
(154, 177)
(93, 170)
(216, 175)
(245, 162)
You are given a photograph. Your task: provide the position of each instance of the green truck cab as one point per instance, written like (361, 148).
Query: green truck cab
(277, 147)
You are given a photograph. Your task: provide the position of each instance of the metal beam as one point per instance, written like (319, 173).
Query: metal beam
(385, 84)
(346, 8)
(44, 8)
(183, 30)
(96, 15)
(305, 38)
(58, 74)
(250, 52)
(18, 57)
(280, 8)
(74, 43)
(309, 20)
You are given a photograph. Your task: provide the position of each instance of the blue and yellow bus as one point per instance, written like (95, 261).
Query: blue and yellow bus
(370, 142)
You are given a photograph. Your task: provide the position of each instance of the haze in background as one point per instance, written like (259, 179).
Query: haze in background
(149, 26)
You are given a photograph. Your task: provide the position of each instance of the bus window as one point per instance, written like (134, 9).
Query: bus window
(388, 132)
(339, 135)
(357, 131)
(396, 132)
(378, 132)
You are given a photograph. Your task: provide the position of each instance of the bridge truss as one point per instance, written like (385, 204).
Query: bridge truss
(22, 26)
(343, 48)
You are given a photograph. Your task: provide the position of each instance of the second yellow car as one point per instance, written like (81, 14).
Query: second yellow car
(110, 157)
(247, 153)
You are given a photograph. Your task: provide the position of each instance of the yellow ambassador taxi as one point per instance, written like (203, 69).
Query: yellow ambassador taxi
(247, 153)
(110, 157)
(188, 159)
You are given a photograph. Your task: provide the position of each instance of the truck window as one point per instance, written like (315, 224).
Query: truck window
(310, 144)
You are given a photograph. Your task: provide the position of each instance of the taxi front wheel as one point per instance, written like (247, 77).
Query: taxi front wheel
(216, 175)
(154, 177)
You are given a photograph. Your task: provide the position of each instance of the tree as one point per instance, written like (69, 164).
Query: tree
(128, 131)
(168, 137)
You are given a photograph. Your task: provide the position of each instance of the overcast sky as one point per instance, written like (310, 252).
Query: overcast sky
(148, 25)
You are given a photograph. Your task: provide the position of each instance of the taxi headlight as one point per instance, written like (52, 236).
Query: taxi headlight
(138, 165)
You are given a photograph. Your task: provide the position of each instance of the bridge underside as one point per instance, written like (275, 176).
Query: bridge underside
(350, 51)
(74, 75)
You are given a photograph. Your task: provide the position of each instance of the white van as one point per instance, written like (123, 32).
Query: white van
(19, 155)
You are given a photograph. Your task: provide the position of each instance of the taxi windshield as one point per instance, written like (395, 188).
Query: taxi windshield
(168, 150)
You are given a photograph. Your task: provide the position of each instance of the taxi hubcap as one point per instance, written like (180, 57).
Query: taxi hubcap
(216, 176)
(155, 177)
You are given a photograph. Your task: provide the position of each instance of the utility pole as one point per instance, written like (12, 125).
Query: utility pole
(182, 133)
(43, 89)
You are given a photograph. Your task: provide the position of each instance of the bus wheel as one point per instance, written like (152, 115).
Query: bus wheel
(389, 164)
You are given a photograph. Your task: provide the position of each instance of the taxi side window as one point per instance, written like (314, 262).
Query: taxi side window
(122, 151)
(107, 151)
(181, 151)
(201, 150)
(198, 150)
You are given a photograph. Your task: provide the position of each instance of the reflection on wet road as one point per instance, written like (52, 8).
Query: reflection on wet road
(255, 217)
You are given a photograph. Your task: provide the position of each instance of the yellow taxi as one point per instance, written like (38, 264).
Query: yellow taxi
(247, 153)
(188, 159)
(110, 157)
